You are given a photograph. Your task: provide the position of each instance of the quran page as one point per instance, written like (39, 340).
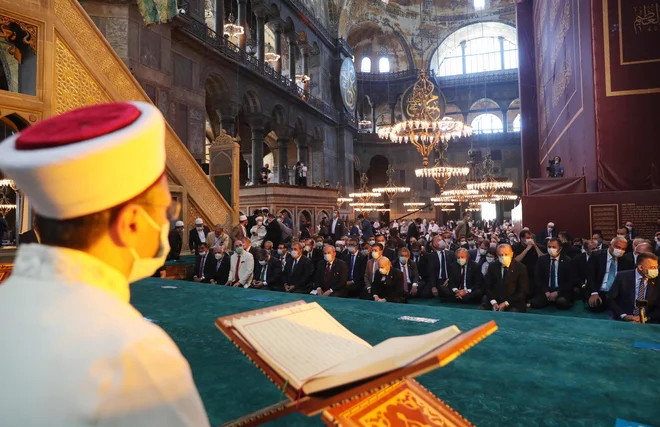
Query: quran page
(300, 341)
(385, 357)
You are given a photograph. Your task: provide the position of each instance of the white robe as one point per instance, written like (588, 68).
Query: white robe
(76, 353)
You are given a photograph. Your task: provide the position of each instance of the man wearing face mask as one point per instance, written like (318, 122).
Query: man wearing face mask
(388, 251)
(273, 231)
(549, 232)
(528, 252)
(506, 283)
(636, 285)
(553, 279)
(439, 262)
(602, 269)
(336, 226)
(388, 283)
(298, 272)
(639, 246)
(579, 269)
(465, 280)
(597, 237)
(622, 232)
(267, 272)
(479, 255)
(203, 265)
(365, 226)
(219, 274)
(371, 270)
(197, 235)
(491, 257)
(331, 275)
(356, 263)
(410, 273)
(96, 236)
(631, 232)
(176, 241)
(241, 266)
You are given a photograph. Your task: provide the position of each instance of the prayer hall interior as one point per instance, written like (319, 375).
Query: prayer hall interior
(452, 161)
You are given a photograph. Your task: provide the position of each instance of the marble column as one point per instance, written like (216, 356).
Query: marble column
(505, 120)
(261, 22)
(257, 153)
(227, 123)
(292, 58)
(242, 21)
(278, 49)
(283, 159)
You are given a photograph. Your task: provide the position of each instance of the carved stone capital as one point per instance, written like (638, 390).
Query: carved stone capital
(257, 121)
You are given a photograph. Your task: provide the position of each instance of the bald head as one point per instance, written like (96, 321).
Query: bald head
(384, 265)
(644, 247)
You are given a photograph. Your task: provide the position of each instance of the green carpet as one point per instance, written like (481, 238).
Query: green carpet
(536, 370)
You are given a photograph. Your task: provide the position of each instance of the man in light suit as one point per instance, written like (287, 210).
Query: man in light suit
(219, 238)
(331, 275)
(239, 231)
(388, 283)
(336, 227)
(632, 286)
(241, 266)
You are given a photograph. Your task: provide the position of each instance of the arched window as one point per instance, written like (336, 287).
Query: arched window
(516, 124)
(365, 65)
(477, 48)
(384, 65)
(479, 4)
(487, 123)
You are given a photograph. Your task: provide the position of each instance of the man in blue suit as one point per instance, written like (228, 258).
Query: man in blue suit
(636, 285)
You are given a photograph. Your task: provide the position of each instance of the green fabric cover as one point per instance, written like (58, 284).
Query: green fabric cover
(157, 11)
(536, 370)
(183, 260)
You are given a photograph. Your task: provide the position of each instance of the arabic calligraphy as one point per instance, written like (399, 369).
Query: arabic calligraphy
(348, 85)
(647, 18)
(423, 101)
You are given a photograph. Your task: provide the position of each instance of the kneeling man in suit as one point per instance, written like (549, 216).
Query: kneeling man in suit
(331, 275)
(506, 283)
(388, 283)
(636, 285)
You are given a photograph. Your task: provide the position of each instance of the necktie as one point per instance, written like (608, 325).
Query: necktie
(327, 276)
(463, 278)
(611, 274)
(641, 291)
(442, 265)
(553, 278)
(405, 278)
(238, 263)
(350, 272)
(504, 271)
(200, 273)
(263, 272)
(293, 268)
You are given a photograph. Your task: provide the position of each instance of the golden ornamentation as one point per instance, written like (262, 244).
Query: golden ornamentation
(29, 39)
(403, 405)
(560, 86)
(74, 86)
(224, 139)
(647, 16)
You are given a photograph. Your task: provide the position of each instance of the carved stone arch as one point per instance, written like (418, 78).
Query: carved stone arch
(251, 102)
(484, 106)
(279, 116)
(300, 125)
(318, 134)
(321, 214)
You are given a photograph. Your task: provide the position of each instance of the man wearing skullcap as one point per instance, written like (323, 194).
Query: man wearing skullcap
(75, 352)
(176, 241)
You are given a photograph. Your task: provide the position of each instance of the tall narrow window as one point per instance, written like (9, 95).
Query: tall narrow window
(384, 65)
(365, 65)
(516, 124)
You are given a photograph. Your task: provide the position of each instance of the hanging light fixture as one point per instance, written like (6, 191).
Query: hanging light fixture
(366, 198)
(232, 29)
(391, 190)
(270, 56)
(489, 184)
(442, 171)
(5, 204)
(424, 130)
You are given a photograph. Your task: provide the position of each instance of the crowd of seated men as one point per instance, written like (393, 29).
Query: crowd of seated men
(465, 262)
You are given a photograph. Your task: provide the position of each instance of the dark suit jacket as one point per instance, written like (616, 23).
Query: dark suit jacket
(513, 289)
(28, 237)
(542, 275)
(273, 233)
(358, 271)
(287, 259)
(301, 277)
(176, 244)
(339, 229)
(193, 238)
(473, 277)
(434, 266)
(355, 231)
(597, 266)
(413, 231)
(540, 238)
(630, 257)
(208, 270)
(412, 270)
(367, 229)
(337, 279)
(391, 288)
(390, 254)
(273, 273)
(579, 270)
(623, 294)
(219, 270)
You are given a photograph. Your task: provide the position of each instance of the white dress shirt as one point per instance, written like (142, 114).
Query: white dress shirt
(334, 224)
(442, 256)
(556, 260)
(202, 236)
(78, 354)
(610, 259)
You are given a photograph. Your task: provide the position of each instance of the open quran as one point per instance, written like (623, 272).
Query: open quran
(319, 364)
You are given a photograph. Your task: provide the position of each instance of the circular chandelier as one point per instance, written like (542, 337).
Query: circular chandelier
(391, 190)
(445, 204)
(413, 205)
(231, 29)
(340, 198)
(504, 196)
(459, 193)
(489, 185)
(366, 198)
(423, 130)
(270, 56)
(473, 207)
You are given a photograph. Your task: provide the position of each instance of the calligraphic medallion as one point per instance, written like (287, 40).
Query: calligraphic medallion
(348, 85)
(423, 96)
